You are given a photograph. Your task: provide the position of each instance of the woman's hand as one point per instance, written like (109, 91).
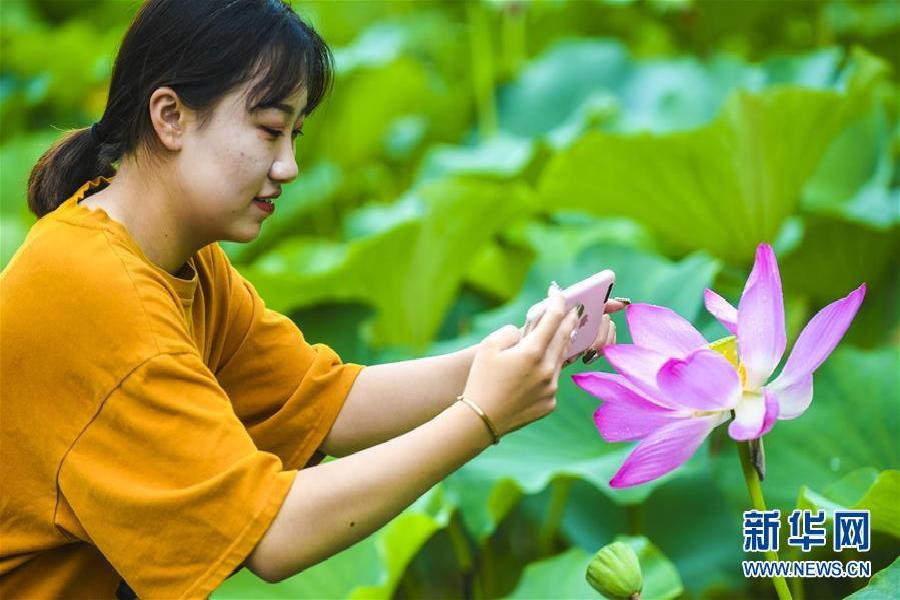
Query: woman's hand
(514, 378)
(606, 335)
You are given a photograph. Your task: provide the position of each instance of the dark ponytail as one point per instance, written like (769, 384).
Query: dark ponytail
(79, 156)
(202, 49)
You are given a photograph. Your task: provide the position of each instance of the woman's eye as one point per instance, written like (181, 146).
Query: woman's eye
(275, 133)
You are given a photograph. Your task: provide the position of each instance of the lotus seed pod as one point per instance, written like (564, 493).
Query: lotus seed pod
(615, 572)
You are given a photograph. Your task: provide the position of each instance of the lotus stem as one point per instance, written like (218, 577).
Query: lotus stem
(759, 503)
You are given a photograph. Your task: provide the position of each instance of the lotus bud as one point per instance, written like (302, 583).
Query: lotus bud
(615, 572)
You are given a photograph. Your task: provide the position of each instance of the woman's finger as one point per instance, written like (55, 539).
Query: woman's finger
(611, 336)
(542, 334)
(558, 349)
(613, 305)
(616, 304)
(592, 355)
(602, 333)
(565, 342)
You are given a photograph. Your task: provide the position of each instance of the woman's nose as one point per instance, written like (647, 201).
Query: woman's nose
(284, 169)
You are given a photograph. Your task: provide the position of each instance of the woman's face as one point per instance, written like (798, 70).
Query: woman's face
(237, 156)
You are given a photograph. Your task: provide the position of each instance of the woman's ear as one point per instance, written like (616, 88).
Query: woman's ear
(169, 117)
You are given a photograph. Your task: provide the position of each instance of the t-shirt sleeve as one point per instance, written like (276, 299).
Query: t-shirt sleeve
(166, 482)
(286, 391)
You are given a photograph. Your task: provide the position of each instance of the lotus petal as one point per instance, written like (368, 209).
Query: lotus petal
(704, 380)
(640, 366)
(625, 415)
(753, 416)
(760, 326)
(819, 338)
(664, 450)
(662, 329)
(793, 398)
(722, 310)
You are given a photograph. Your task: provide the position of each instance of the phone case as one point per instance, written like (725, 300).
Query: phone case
(592, 293)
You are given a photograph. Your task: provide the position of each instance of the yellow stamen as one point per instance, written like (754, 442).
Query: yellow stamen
(727, 347)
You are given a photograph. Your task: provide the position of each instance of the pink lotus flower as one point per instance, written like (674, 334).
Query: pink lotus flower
(672, 390)
(758, 323)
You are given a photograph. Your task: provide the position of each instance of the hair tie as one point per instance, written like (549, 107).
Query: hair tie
(97, 133)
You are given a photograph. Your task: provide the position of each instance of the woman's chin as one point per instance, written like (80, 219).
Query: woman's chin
(245, 234)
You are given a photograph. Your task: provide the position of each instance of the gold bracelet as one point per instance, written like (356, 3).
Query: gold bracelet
(484, 417)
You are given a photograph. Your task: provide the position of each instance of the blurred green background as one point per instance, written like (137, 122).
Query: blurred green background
(473, 151)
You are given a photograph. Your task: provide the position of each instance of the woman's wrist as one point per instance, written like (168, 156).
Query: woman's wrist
(495, 436)
(480, 436)
(465, 358)
(468, 356)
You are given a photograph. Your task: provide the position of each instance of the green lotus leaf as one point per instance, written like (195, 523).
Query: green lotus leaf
(883, 585)
(722, 187)
(864, 489)
(854, 181)
(500, 157)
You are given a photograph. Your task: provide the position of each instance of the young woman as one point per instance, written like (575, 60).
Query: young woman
(160, 426)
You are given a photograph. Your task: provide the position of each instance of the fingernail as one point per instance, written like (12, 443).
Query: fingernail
(580, 308)
(625, 301)
(593, 358)
(588, 356)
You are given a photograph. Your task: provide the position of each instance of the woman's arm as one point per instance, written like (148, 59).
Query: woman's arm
(390, 399)
(334, 505)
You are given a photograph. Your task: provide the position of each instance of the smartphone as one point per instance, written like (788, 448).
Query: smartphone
(592, 293)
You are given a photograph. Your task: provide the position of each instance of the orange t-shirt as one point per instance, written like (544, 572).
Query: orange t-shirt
(151, 426)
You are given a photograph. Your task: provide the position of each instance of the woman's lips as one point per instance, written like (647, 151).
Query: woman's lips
(266, 206)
